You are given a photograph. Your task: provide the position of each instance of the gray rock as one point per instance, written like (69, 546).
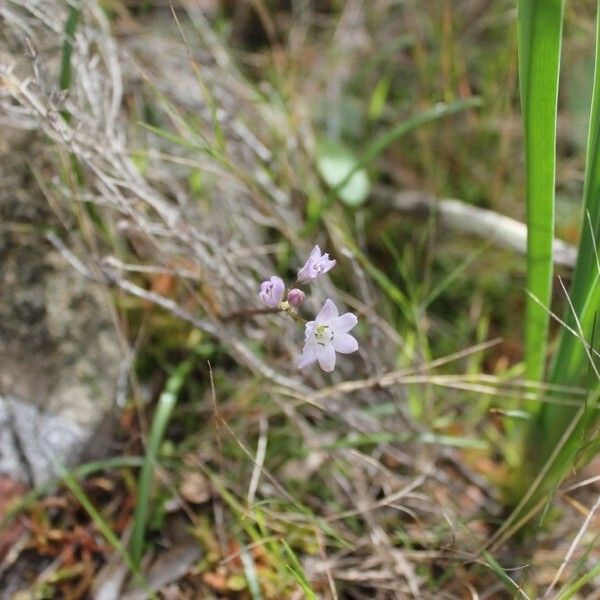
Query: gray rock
(33, 442)
(60, 355)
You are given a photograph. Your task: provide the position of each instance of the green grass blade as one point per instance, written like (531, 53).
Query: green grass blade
(393, 291)
(395, 133)
(570, 363)
(296, 570)
(103, 527)
(164, 410)
(558, 426)
(451, 277)
(540, 32)
(571, 590)
(586, 271)
(386, 139)
(67, 49)
(509, 584)
(428, 438)
(81, 471)
(99, 521)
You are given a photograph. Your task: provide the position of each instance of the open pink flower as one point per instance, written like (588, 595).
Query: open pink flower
(271, 291)
(326, 335)
(315, 266)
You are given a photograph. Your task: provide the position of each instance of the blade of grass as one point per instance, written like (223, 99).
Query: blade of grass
(389, 137)
(385, 283)
(572, 589)
(509, 584)
(295, 568)
(210, 99)
(539, 38)
(573, 358)
(570, 362)
(103, 527)
(541, 482)
(67, 49)
(254, 524)
(384, 437)
(250, 573)
(533, 493)
(80, 471)
(164, 410)
(451, 277)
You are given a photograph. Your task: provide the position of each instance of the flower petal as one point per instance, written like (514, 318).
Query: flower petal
(309, 330)
(309, 354)
(327, 313)
(278, 287)
(344, 343)
(329, 264)
(345, 323)
(326, 357)
(303, 275)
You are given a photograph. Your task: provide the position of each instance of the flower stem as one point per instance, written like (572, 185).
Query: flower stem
(248, 312)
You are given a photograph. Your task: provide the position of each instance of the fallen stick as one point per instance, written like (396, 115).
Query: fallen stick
(459, 216)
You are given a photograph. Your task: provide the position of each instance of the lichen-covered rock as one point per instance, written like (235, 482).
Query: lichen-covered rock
(59, 351)
(34, 441)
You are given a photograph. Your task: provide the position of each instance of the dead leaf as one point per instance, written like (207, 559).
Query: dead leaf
(194, 487)
(215, 580)
(10, 492)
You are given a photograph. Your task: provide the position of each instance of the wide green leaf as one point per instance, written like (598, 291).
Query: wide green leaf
(339, 168)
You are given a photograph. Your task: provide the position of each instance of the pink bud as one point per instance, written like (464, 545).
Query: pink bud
(296, 297)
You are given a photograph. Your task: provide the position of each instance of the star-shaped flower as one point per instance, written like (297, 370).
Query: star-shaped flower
(315, 266)
(326, 335)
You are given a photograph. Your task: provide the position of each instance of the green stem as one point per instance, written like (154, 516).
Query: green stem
(164, 410)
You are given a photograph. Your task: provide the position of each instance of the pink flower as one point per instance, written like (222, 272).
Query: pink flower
(271, 291)
(296, 297)
(326, 335)
(316, 265)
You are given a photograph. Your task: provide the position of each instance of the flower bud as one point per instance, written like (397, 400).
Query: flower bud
(296, 297)
(271, 291)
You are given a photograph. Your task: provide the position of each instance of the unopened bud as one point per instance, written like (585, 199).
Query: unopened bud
(271, 291)
(296, 297)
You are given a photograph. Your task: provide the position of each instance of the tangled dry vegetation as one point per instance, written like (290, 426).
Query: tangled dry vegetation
(179, 183)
